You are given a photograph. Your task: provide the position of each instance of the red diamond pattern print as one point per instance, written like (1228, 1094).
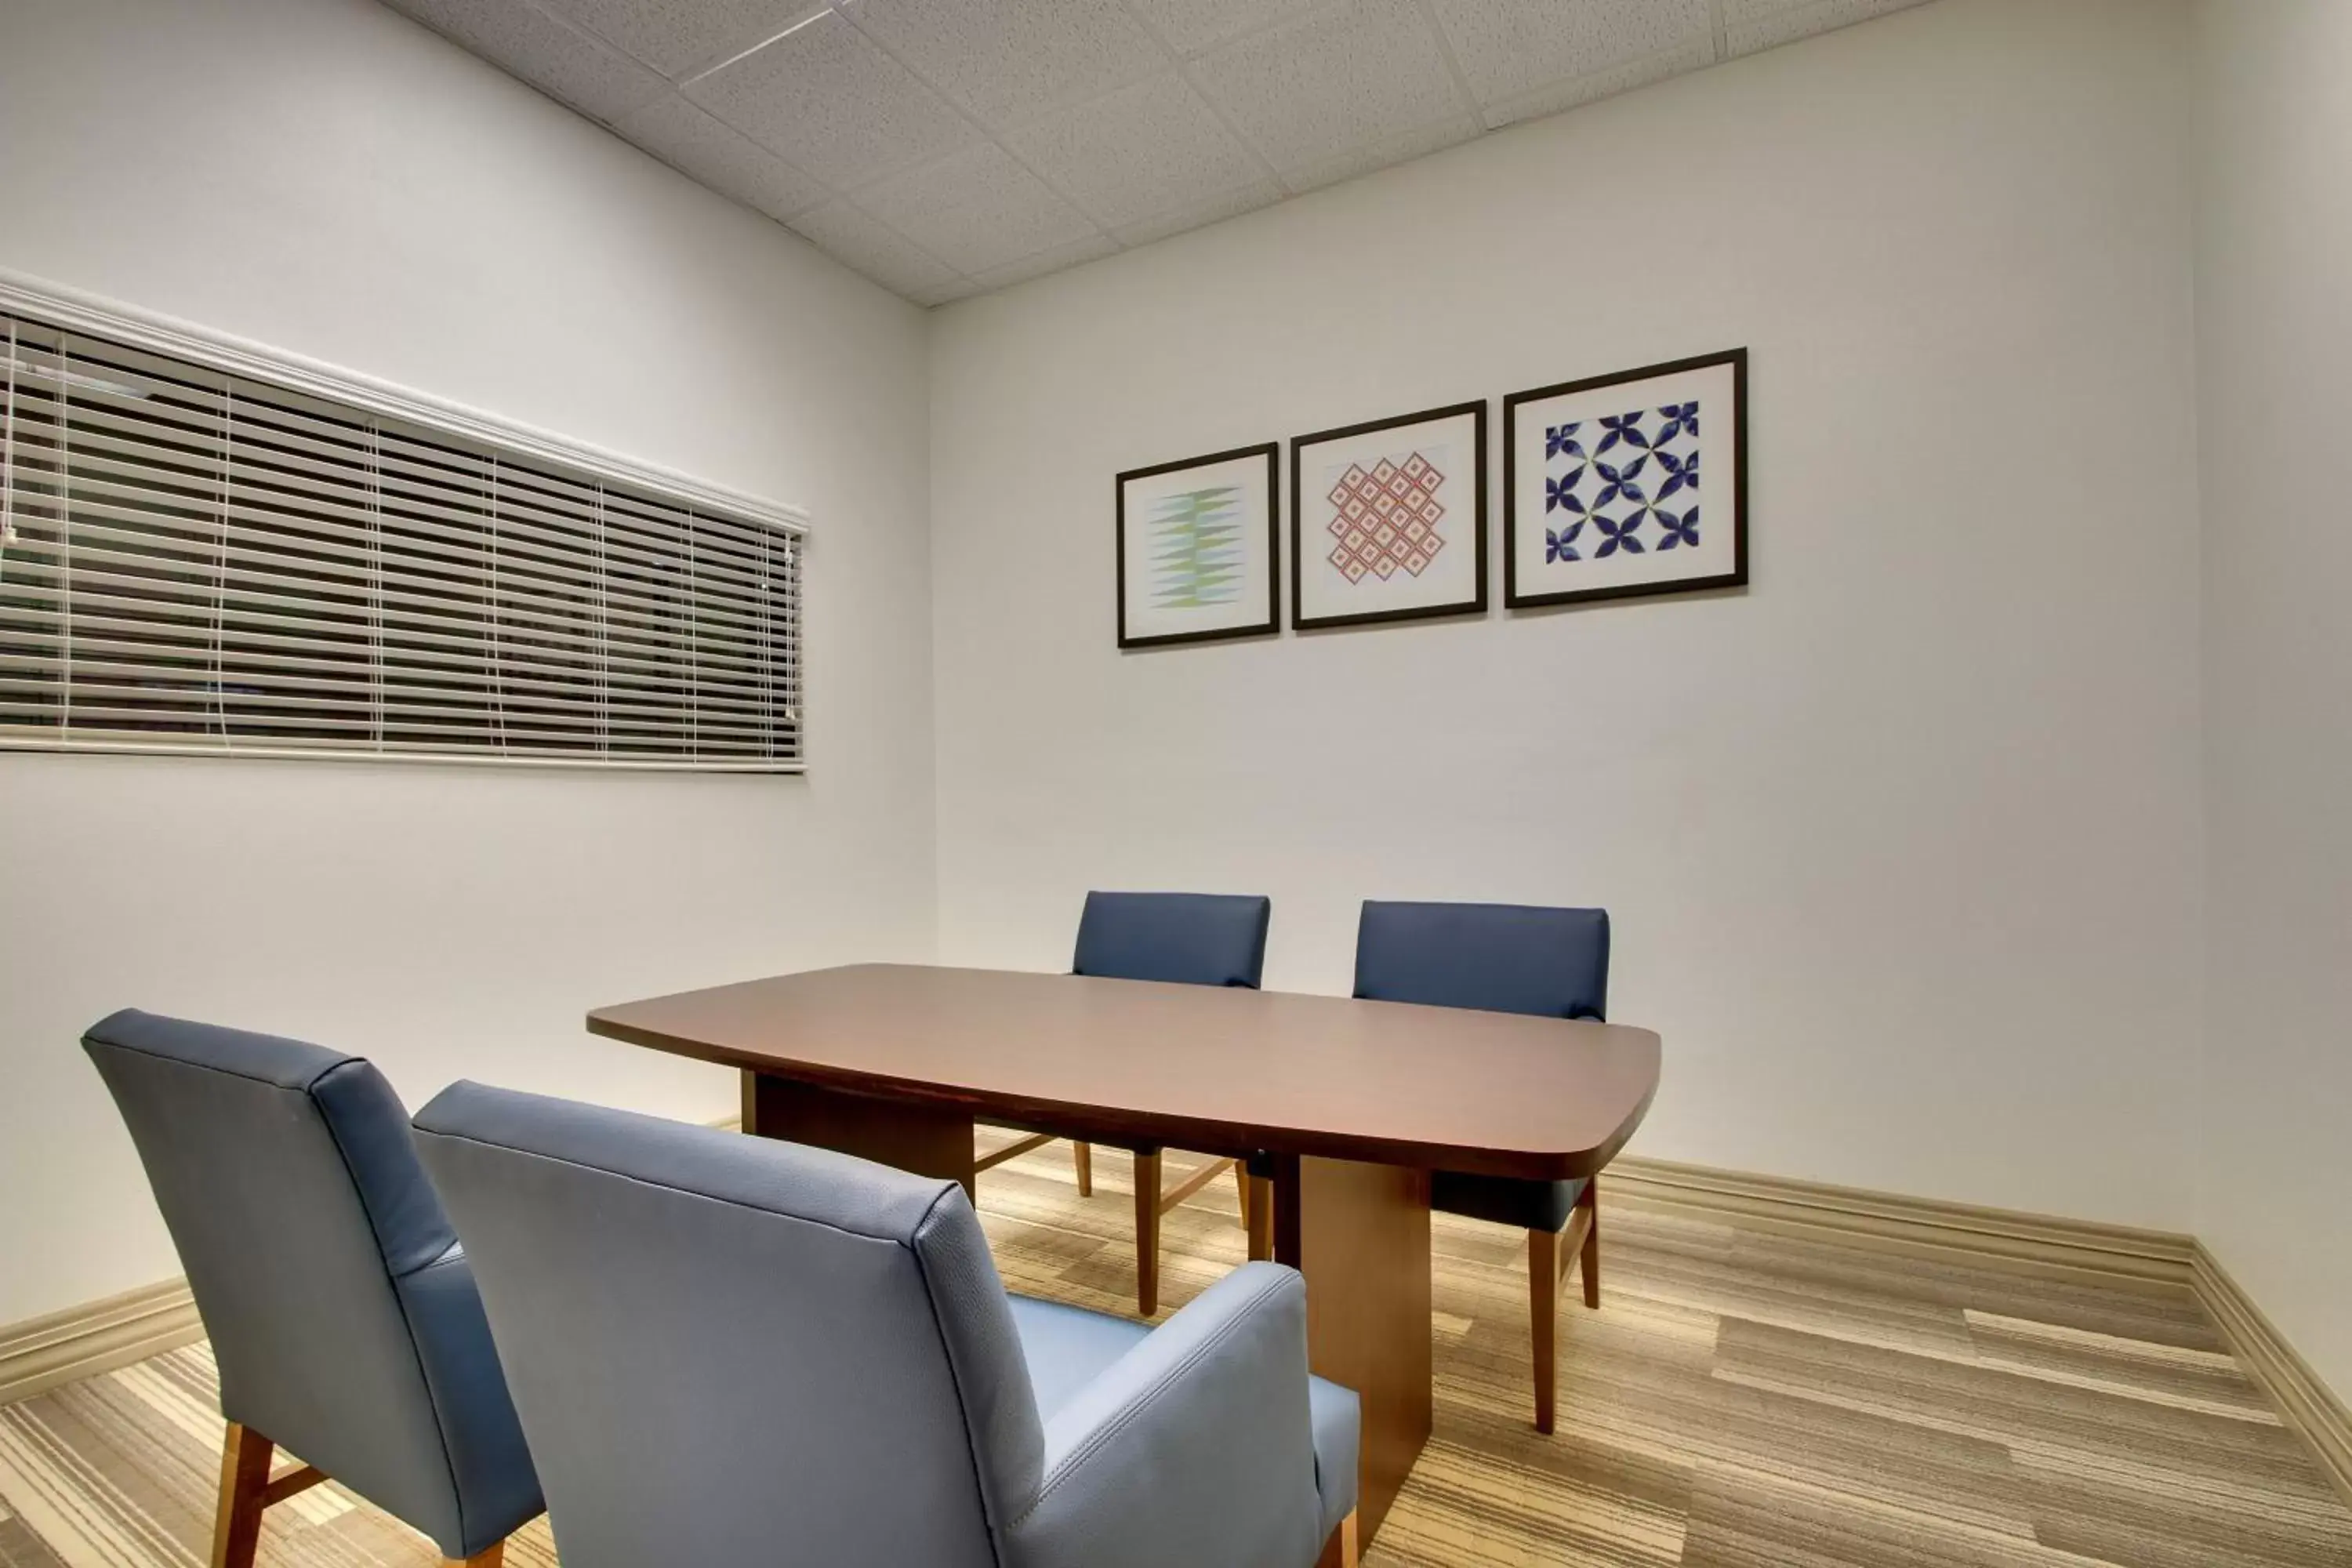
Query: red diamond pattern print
(1385, 519)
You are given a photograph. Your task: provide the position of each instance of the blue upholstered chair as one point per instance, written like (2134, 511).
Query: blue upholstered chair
(342, 1309)
(1186, 939)
(1503, 958)
(729, 1349)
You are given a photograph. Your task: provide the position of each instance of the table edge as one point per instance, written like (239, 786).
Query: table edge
(1123, 1126)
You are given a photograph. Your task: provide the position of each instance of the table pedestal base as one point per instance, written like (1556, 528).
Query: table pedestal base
(929, 1140)
(1359, 1233)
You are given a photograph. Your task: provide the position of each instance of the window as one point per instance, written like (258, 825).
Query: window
(192, 561)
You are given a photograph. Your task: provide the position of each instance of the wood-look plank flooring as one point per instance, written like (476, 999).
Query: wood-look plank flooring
(1742, 1400)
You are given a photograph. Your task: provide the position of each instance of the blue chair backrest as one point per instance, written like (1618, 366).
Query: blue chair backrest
(311, 1236)
(1503, 958)
(729, 1349)
(1193, 939)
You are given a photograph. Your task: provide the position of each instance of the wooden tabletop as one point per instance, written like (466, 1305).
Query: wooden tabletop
(1215, 1070)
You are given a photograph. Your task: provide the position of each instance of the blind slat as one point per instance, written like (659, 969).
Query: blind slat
(193, 562)
(240, 624)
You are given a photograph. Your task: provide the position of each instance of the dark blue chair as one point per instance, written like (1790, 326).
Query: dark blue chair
(733, 1351)
(342, 1311)
(1503, 958)
(1185, 939)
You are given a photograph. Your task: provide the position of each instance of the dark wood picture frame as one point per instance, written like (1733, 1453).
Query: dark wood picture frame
(1272, 452)
(1473, 605)
(1736, 578)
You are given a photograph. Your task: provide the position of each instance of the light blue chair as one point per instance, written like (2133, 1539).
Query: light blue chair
(729, 1349)
(1184, 939)
(1503, 958)
(340, 1309)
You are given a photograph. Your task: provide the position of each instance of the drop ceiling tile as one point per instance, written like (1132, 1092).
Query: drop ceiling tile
(859, 243)
(1192, 26)
(828, 100)
(1094, 247)
(1510, 47)
(1011, 60)
(977, 209)
(1231, 203)
(1137, 153)
(552, 56)
(673, 34)
(696, 145)
(1753, 24)
(1398, 149)
(1326, 84)
(1582, 89)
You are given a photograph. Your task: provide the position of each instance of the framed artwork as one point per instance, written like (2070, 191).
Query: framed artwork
(1387, 521)
(1627, 484)
(1198, 543)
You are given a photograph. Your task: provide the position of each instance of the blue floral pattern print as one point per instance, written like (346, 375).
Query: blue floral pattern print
(1681, 473)
(1617, 535)
(1621, 482)
(1652, 460)
(1625, 428)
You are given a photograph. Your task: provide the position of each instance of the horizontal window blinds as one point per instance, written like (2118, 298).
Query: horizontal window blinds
(192, 561)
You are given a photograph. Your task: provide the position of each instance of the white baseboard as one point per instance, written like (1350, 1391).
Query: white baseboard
(85, 1340)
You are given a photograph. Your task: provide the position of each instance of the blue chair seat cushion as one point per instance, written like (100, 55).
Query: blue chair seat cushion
(1332, 1414)
(1525, 1206)
(1069, 1347)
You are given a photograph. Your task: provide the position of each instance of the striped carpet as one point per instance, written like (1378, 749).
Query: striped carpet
(1742, 1400)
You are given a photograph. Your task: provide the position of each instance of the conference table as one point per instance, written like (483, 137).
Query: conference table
(1344, 1107)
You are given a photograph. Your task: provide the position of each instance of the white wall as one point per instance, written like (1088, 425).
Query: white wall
(1903, 842)
(326, 177)
(2274, 337)
(1900, 842)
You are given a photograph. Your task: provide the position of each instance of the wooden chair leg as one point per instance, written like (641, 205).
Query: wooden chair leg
(247, 1490)
(1241, 1186)
(1147, 1232)
(245, 1477)
(1591, 1254)
(1543, 1312)
(1261, 1231)
(1343, 1550)
(1083, 1156)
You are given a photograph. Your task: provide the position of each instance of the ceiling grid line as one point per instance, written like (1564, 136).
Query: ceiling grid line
(1185, 73)
(712, 67)
(1469, 102)
(849, 12)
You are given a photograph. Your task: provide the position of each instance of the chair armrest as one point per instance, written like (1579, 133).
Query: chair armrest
(1193, 1448)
